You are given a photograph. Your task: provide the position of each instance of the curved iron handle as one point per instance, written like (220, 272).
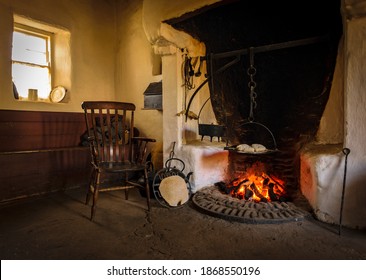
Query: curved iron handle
(227, 65)
(270, 132)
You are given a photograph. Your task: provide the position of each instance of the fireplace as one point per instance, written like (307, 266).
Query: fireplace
(255, 179)
(299, 88)
(269, 74)
(259, 188)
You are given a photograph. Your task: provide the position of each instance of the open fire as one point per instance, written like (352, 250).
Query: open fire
(255, 184)
(257, 189)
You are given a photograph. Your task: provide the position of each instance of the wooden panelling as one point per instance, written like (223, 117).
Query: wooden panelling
(40, 152)
(23, 130)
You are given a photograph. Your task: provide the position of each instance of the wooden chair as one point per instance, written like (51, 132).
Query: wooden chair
(115, 150)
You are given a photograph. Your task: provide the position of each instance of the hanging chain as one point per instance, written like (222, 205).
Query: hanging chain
(252, 84)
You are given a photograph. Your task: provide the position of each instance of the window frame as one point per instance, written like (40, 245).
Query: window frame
(48, 37)
(60, 57)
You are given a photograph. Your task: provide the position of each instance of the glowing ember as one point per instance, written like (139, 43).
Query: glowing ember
(255, 184)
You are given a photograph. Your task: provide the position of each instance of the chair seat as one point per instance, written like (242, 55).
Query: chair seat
(112, 167)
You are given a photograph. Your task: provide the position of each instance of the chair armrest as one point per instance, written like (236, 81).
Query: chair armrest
(139, 152)
(144, 139)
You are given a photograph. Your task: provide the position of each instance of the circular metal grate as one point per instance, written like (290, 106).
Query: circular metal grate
(211, 201)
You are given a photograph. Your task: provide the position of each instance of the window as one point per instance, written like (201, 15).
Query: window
(31, 63)
(41, 61)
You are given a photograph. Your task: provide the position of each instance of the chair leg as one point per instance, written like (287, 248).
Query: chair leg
(126, 193)
(88, 195)
(92, 182)
(95, 195)
(95, 198)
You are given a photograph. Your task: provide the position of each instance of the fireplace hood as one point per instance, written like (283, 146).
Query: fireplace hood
(294, 47)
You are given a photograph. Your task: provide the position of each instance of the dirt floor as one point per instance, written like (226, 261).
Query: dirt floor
(58, 227)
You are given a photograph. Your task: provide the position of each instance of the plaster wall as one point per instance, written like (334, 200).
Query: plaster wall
(169, 43)
(355, 118)
(92, 49)
(140, 52)
(321, 180)
(156, 11)
(206, 160)
(136, 67)
(331, 125)
(323, 166)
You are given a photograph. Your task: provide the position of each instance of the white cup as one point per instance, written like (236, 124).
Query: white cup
(32, 94)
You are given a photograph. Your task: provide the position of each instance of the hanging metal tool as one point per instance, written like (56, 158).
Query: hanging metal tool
(211, 130)
(188, 73)
(346, 152)
(170, 181)
(209, 78)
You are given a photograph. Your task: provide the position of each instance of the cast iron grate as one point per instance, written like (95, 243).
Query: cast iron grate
(211, 201)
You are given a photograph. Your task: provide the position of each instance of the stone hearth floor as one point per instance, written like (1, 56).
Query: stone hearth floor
(57, 227)
(211, 201)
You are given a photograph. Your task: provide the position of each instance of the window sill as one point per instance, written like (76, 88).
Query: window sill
(39, 101)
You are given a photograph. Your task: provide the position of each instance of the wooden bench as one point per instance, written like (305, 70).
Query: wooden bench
(40, 152)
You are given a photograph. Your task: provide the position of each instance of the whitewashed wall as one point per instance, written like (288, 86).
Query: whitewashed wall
(92, 49)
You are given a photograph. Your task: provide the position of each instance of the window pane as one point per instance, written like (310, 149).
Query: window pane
(29, 48)
(27, 77)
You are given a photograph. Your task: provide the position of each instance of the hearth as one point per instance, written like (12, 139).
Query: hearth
(212, 201)
(259, 188)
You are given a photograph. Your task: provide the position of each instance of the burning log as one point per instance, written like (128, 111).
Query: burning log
(242, 191)
(265, 181)
(254, 188)
(274, 180)
(235, 187)
(271, 193)
(235, 192)
(222, 187)
(248, 194)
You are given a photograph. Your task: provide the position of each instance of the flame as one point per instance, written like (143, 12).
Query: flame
(255, 184)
